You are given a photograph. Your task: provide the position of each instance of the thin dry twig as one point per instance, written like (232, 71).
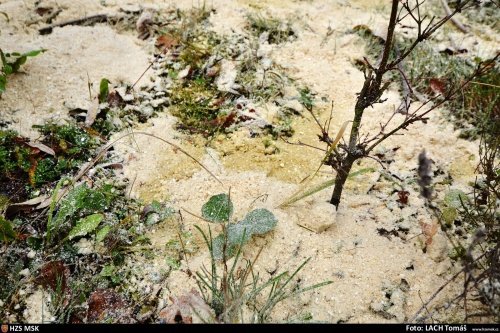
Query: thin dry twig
(453, 19)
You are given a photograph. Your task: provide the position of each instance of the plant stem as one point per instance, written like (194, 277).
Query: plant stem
(340, 179)
(370, 93)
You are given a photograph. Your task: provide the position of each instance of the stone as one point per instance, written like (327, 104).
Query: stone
(315, 216)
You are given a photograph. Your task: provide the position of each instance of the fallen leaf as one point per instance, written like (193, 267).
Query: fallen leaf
(429, 230)
(55, 275)
(403, 197)
(166, 42)
(182, 309)
(115, 99)
(43, 10)
(92, 113)
(106, 305)
(41, 147)
(438, 86)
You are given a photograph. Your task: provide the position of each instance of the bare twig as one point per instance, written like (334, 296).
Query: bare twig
(453, 19)
(87, 20)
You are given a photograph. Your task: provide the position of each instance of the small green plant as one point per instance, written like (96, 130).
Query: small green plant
(219, 209)
(236, 292)
(12, 62)
(80, 202)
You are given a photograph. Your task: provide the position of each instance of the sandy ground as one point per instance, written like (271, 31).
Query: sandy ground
(375, 278)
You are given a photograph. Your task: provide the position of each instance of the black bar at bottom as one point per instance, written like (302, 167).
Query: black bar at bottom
(235, 328)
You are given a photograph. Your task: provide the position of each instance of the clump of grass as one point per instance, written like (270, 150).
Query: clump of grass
(484, 12)
(235, 291)
(430, 71)
(277, 31)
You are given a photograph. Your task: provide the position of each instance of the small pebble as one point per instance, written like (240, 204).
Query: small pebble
(25, 272)
(31, 254)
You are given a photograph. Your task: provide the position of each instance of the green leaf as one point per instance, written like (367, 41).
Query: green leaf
(7, 233)
(157, 212)
(218, 246)
(3, 82)
(35, 243)
(174, 263)
(306, 98)
(449, 215)
(85, 225)
(454, 198)
(108, 270)
(218, 208)
(103, 90)
(34, 53)
(51, 222)
(80, 198)
(259, 221)
(238, 233)
(102, 233)
(7, 69)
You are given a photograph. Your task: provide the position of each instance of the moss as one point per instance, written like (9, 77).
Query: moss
(194, 105)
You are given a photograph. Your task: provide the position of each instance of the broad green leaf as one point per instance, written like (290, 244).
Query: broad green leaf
(102, 233)
(80, 198)
(7, 233)
(454, 198)
(35, 243)
(218, 208)
(259, 221)
(85, 225)
(218, 246)
(103, 90)
(238, 233)
(449, 215)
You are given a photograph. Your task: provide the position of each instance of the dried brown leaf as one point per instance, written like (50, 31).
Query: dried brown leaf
(92, 113)
(106, 305)
(41, 147)
(166, 42)
(429, 230)
(115, 99)
(54, 275)
(438, 86)
(182, 309)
